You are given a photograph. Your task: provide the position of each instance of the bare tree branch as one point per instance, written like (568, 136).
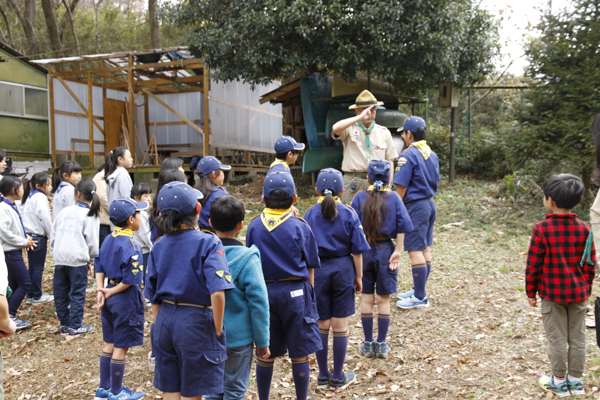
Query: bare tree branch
(52, 28)
(27, 18)
(11, 40)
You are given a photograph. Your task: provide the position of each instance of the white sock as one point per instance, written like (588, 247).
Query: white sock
(558, 381)
(573, 379)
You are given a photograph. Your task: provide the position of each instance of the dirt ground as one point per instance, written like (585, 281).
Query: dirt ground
(479, 338)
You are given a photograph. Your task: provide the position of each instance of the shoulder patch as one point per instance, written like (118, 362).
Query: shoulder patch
(402, 160)
(220, 273)
(228, 277)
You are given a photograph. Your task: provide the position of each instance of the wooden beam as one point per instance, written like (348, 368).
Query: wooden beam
(62, 81)
(193, 63)
(206, 138)
(52, 119)
(131, 106)
(168, 107)
(146, 119)
(78, 115)
(81, 153)
(91, 118)
(196, 121)
(86, 141)
(280, 91)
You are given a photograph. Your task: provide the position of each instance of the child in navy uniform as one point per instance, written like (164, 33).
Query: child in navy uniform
(289, 254)
(384, 218)
(417, 177)
(121, 304)
(341, 241)
(188, 301)
(210, 170)
(247, 305)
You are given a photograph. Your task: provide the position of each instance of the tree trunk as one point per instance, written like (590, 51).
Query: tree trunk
(9, 39)
(68, 17)
(27, 19)
(154, 26)
(52, 28)
(68, 12)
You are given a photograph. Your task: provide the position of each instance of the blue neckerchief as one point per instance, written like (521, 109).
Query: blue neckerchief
(34, 191)
(4, 199)
(62, 185)
(83, 205)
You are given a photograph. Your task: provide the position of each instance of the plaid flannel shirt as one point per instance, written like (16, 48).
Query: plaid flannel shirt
(553, 270)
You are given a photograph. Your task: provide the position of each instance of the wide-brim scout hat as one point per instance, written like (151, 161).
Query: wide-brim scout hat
(124, 207)
(279, 180)
(332, 179)
(177, 196)
(365, 99)
(379, 170)
(210, 164)
(287, 143)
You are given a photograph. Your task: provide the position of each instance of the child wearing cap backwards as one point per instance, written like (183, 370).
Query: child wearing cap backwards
(246, 306)
(187, 301)
(210, 170)
(289, 254)
(341, 242)
(74, 242)
(417, 177)
(384, 218)
(561, 266)
(120, 302)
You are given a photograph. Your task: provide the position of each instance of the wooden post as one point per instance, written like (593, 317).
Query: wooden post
(452, 143)
(91, 118)
(146, 119)
(52, 122)
(131, 106)
(205, 89)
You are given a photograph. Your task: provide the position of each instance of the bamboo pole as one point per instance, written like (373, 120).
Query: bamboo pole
(52, 121)
(205, 90)
(130, 106)
(91, 119)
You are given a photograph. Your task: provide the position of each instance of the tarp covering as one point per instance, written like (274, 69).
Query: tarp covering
(314, 87)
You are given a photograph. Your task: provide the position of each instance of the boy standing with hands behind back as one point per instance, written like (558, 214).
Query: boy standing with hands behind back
(562, 276)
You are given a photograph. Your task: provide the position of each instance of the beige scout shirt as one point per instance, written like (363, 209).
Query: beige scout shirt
(355, 147)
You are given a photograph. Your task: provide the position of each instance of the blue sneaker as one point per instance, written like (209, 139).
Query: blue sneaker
(101, 394)
(575, 387)
(367, 349)
(20, 323)
(65, 331)
(323, 382)
(83, 329)
(347, 380)
(382, 350)
(406, 295)
(559, 390)
(412, 302)
(126, 394)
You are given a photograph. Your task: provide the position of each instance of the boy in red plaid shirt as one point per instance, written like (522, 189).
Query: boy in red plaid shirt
(556, 273)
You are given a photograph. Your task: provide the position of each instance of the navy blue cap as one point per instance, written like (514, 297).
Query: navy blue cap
(124, 207)
(332, 179)
(209, 164)
(379, 170)
(287, 143)
(412, 124)
(177, 196)
(279, 180)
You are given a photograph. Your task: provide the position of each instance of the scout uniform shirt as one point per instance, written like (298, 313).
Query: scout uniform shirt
(218, 191)
(419, 171)
(338, 238)
(120, 259)
(394, 220)
(287, 244)
(187, 266)
(62, 198)
(358, 151)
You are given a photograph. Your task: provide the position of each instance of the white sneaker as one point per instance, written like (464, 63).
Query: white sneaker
(44, 298)
(412, 302)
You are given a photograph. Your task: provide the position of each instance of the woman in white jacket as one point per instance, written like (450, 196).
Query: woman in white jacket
(14, 239)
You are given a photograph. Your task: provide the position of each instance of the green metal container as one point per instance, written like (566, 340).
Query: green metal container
(391, 119)
(326, 157)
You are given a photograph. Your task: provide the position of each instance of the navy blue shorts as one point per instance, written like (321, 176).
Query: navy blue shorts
(190, 358)
(376, 271)
(422, 214)
(123, 318)
(334, 288)
(294, 326)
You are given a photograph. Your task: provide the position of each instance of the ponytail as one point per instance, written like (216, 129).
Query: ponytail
(329, 206)
(112, 160)
(373, 210)
(67, 167)
(87, 188)
(39, 179)
(206, 186)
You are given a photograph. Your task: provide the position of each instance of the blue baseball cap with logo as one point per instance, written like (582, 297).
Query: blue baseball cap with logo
(177, 196)
(287, 143)
(332, 179)
(124, 207)
(379, 170)
(209, 164)
(412, 124)
(279, 181)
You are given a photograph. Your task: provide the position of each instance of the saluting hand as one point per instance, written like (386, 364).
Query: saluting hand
(367, 113)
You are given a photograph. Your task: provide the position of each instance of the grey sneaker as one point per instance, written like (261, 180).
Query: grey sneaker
(323, 382)
(83, 329)
(367, 349)
(151, 362)
(406, 295)
(28, 300)
(45, 298)
(382, 350)
(347, 380)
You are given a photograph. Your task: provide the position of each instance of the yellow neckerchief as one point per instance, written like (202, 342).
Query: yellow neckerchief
(122, 232)
(321, 198)
(272, 218)
(279, 162)
(423, 148)
(183, 228)
(385, 189)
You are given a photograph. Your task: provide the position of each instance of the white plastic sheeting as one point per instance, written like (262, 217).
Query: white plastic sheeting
(238, 121)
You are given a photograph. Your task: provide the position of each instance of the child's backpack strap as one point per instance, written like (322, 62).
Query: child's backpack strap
(587, 252)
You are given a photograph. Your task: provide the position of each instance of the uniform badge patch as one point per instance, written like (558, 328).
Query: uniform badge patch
(355, 135)
(402, 161)
(135, 271)
(228, 277)
(134, 257)
(221, 252)
(220, 273)
(135, 264)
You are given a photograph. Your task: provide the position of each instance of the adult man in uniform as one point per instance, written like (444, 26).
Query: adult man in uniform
(364, 141)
